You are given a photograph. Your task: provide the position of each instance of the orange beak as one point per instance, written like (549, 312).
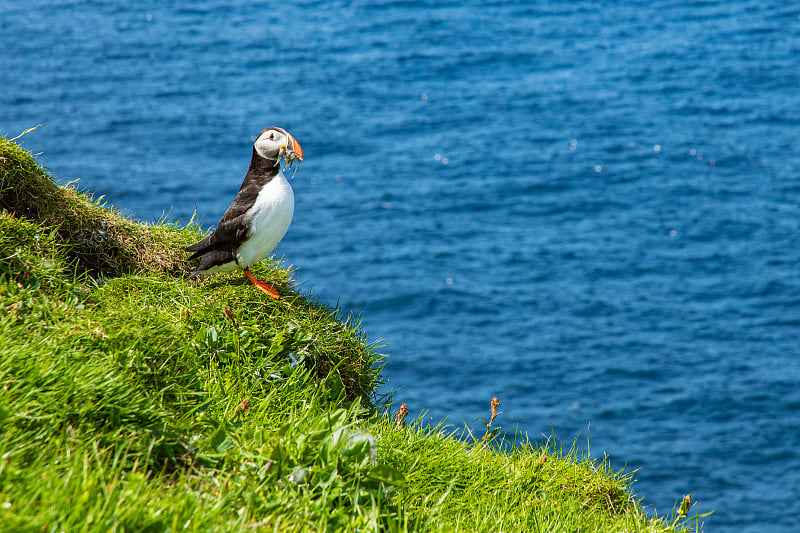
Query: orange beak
(295, 148)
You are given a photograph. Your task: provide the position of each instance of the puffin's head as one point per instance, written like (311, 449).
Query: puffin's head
(274, 143)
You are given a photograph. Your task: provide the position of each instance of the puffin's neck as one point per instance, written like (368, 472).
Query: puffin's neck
(262, 170)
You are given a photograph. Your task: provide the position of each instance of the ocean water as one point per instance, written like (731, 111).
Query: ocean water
(590, 211)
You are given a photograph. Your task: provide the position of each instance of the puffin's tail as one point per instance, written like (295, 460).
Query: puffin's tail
(208, 259)
(199, 248)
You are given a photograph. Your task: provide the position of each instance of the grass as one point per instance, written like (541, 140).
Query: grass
(132, 399)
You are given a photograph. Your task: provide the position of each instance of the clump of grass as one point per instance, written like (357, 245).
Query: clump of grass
(134, 400)
(512, 485)
(449, 481)
(132, 404)
(101, 242)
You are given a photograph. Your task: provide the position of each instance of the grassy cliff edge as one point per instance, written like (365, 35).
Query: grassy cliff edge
(133, 399)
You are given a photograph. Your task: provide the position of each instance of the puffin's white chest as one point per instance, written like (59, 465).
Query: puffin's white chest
(270, 218)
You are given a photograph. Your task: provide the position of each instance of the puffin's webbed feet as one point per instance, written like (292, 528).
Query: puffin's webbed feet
(265, 286)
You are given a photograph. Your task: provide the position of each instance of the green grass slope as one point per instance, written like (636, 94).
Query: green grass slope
(132, 399)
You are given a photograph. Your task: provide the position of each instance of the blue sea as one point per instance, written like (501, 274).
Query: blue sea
(589, 210)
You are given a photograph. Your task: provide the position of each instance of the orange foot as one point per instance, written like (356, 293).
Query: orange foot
(265, 286)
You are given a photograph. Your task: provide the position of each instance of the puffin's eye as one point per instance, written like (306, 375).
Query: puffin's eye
(271, 136)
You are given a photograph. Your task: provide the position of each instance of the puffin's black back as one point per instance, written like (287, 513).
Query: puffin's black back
(219, 247)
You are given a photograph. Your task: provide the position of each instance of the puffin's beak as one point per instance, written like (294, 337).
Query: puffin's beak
(294, 147)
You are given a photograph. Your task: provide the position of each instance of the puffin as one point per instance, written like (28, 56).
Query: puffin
(259, 215)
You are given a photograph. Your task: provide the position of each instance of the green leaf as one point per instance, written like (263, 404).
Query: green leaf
(337, 419)
(386, 474)
(218, 437)
(360, 447)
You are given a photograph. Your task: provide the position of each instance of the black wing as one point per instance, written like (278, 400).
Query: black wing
(220, 246)
(233, 228)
